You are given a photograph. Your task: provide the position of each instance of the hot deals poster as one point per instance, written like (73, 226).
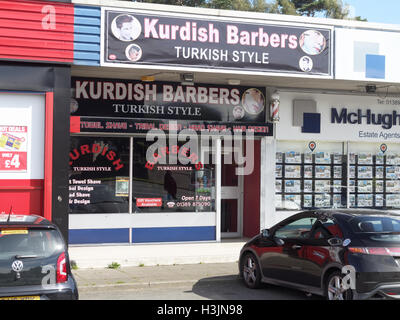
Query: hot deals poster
(13, 148)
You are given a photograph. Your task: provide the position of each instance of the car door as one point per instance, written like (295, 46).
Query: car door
(318, 252)
(285, 262)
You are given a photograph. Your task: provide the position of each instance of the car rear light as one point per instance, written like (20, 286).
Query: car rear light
(62, 275)
(376, 251)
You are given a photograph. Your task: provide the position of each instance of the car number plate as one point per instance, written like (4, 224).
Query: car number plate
(21, 298)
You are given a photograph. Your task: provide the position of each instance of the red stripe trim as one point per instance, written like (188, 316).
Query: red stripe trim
(48, 156)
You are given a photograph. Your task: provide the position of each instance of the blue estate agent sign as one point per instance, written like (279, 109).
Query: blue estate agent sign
(135, 39)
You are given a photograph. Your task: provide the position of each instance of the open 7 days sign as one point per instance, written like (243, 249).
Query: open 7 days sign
(136, 39)
(13, 148)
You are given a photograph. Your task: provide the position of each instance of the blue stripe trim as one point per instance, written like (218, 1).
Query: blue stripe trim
(95, 236)
(87, 38)
(86, 21)
(86, 56)
(87, 11)
(86, 63)
(87, 28)
(173, 234)
(87, 47)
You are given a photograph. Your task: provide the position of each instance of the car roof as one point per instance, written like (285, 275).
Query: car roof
(23, 220)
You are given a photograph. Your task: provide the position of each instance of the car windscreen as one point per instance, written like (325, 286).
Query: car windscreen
(29, 242)
(377, 228)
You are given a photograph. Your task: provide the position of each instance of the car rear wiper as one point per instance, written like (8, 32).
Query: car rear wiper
(26, 256)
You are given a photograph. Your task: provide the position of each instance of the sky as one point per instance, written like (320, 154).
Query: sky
(383, 11)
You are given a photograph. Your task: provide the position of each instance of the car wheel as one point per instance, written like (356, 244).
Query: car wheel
(334, 289)
(251, 271)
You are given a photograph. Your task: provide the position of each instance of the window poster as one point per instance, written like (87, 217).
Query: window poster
(337, 158)
(322, 200)
(379, 202)
(279, 157)
(337, 171)
(337, 201)
(278, 185)
(352, 200)
(292, 172)
(322, 186)
(13, 148)
(364, 172)
(308, 171)
(308, 201)
(323, 157)
(364, 186)
(379, 159)
(292, 186)
(352, 172)
(379, 186)
(393, 186)
(393, 159)
(352, 158)
(322, 171)
(392, 200)
(308, 186)
(352, 186)
(379, 172)
(308, 158)
(391, 173)
(293, 157)
(364, 158)
(292, 201)
(278, 171)
(122, 186)
(337, 186)
(365, 200)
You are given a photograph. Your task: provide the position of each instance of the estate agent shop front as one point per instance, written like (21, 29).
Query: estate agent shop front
(337, 151)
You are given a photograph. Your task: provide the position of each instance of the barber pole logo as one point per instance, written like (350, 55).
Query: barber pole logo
(383, 147)
(275, 110)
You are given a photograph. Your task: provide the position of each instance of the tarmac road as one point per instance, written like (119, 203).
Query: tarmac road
(180, 282)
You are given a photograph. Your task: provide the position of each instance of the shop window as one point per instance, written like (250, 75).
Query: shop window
(163, 183)
(367, 175)
(99, 175)
(310, 179)
(374, 176)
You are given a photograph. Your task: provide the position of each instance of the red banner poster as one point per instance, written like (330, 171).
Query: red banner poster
(13, 148)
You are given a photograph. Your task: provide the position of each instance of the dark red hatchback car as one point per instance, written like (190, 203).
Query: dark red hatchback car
(34, 262)
(339, 254)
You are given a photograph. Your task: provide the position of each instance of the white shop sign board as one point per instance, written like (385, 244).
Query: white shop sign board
(342, 118)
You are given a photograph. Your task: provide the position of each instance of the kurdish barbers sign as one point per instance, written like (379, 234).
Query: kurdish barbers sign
(134, 39)
(167, 100)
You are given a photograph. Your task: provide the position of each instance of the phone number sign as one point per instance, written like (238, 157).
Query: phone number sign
(13, 148)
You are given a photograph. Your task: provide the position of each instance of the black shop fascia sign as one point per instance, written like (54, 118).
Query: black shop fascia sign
(137, 40)
(131, 106)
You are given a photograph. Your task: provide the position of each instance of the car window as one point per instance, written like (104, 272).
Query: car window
(325, 229)
(376, 224)
(38, 242)
(298, 229)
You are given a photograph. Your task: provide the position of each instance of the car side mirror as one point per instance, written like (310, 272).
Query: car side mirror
(335, 242)
(265, 233)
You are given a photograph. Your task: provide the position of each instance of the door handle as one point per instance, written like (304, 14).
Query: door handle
(296, 247)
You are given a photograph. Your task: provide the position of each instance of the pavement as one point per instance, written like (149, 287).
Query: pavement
(102, 256)
(91, 279)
